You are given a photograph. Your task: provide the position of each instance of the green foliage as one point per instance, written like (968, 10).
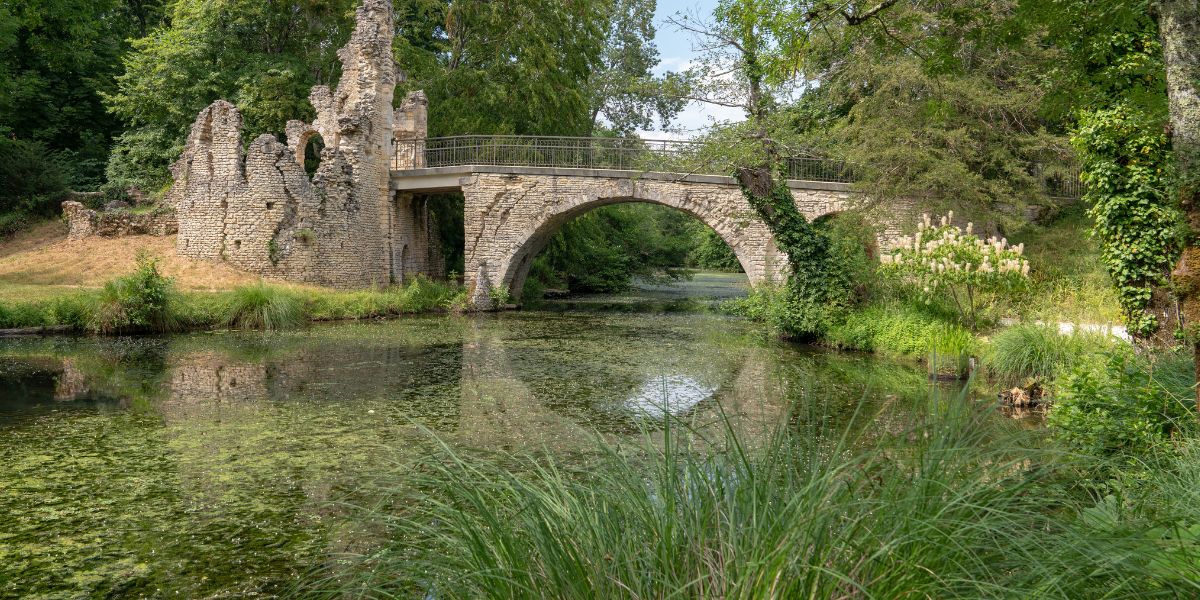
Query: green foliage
(1039, 351)
(943, 507)
(605, 249)
(421, 295)
(900, 330)
(819, 286)
(143, 301)
(943, 261)
(56, 58)
(710, 252)
(1124, 404)
(33, 180)
(263, 307)
(1124, 152)
(262, 56)
(951, 348)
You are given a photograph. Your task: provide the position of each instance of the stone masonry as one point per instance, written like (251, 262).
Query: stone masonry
(511, 217)
(84, 222)
(260, 212)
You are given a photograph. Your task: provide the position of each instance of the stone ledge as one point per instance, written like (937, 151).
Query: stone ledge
(449, 178)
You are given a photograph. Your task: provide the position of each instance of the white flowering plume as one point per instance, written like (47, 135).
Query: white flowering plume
(942, 257)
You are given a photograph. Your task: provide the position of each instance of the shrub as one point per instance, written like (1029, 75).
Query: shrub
(1121, 403)
(945, 261)
(142, 301)
(263, 307)
(1039, 351)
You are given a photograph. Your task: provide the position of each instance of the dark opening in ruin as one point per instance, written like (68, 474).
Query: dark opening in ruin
(312, 153)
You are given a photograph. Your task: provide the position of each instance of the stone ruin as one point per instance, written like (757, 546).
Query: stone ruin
(258, 210)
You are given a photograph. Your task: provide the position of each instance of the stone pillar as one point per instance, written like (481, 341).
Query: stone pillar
(410, 129)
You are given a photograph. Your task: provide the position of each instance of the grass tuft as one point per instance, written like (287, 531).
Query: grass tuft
(264, 307)
(1039, 351)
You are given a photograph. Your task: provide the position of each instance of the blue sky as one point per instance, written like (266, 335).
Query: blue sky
(675, 51)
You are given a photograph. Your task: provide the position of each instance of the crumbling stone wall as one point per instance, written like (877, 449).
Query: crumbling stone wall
(260, 212)
(84, 222)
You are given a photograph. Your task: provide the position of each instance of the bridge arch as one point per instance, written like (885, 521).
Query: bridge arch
(509, 219)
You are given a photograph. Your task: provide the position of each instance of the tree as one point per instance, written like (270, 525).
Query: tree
(1179, 28)
(622, 89)
(56, 58)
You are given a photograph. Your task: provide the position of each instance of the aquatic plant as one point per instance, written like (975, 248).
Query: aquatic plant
(263, 307)
(951, 349)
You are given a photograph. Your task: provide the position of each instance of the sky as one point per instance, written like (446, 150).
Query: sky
(675, 52)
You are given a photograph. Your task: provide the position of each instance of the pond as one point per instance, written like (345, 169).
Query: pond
(228, 464)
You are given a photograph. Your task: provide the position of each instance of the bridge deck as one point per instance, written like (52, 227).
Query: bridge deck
(450, 179)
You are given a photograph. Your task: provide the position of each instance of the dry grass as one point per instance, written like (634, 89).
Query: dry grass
(41, 262)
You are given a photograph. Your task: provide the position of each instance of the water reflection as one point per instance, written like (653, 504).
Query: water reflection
(205, 465)
(668, 395)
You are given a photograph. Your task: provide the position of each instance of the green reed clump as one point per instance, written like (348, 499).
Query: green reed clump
(1039, 351)
(142, 302)
(420, 295)
(945, 508)
(264, 307)
(951, 348)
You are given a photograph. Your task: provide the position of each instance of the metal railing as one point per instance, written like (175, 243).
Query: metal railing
(629, 154)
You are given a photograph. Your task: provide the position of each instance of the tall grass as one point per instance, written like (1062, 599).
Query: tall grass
(144, 301)
(263, 307)
(944, 508)
(1039, 351)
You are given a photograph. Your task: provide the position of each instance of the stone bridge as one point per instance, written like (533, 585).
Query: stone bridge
(364, 218)
(513, 208)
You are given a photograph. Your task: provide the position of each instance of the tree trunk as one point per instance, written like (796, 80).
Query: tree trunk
(1179, 29)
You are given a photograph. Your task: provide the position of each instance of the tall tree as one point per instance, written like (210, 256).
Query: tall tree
(1179, 27)
(624, 94)
(56, 58)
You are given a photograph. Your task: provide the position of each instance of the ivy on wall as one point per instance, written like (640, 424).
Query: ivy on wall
(818, 287)
(1124, 153)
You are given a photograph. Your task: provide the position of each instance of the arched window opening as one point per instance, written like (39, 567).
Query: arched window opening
(312, 153)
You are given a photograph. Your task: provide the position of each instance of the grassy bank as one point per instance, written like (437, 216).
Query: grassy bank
(146, 301)
(952, 505)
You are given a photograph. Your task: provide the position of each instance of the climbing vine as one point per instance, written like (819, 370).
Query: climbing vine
(817, 290)
(1124, 153)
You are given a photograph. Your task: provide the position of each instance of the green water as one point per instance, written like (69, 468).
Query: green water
(229, 465)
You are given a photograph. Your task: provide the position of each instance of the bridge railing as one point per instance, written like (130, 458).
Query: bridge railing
(551, 151)
(631, 154)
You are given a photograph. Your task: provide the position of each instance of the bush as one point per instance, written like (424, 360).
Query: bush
(1039, 351)
(263, 307)
(1121, 403)
(946, 263)
(140, 302)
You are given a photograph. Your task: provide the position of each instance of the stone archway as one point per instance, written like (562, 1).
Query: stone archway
(510, 218)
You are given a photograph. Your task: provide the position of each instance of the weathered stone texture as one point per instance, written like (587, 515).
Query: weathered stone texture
(261, 213)
(84, 222)
(510, 218)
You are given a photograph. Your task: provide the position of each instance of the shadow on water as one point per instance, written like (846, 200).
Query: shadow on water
(209, 464)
